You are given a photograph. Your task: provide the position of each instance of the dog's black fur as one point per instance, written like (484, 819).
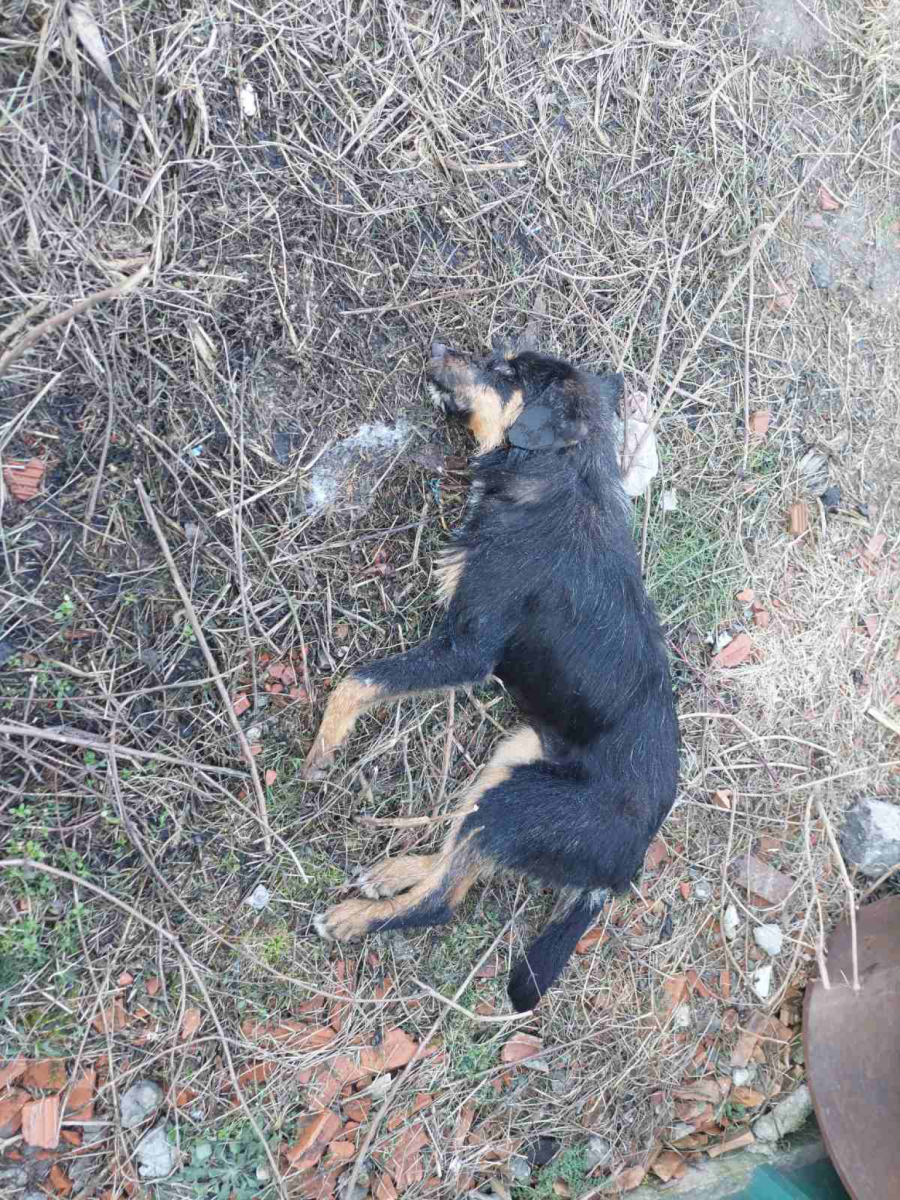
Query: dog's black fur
(543, 589)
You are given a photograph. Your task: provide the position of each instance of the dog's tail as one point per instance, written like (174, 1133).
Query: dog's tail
(573, 914)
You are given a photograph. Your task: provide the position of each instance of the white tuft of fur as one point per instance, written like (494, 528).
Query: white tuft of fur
(320, 924)
(368, 889)
(436, 395)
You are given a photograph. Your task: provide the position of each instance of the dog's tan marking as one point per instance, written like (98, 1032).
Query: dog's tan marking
(448, 572)
(448, 875)
(346, 703)
(490, 418)
(393, 875)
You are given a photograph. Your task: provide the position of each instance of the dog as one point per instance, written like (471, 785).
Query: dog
(541, 587)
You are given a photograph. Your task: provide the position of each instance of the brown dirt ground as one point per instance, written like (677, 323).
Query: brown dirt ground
(313, 192)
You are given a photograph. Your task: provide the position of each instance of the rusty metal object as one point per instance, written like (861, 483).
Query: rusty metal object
(852, 1044)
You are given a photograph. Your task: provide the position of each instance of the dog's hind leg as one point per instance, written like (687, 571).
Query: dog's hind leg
(442, 662)
(445, 878)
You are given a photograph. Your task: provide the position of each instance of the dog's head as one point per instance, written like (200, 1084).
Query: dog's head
(535, 401)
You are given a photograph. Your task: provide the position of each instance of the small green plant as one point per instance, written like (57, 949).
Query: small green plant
(66, 610)
(231, 1166)
(568, 1166)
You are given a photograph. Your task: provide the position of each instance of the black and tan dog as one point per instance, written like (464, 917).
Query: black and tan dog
(542, 588)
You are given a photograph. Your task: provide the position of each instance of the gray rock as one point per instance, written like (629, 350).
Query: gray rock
(598, 1153)
(140, 1102)
(519, 1167)
(731, 922)
(820, 269)
(155, 1154)
(762, 981)
(871, 836)
(13, 1176)
(769, 938)
(702, 891)
(786, 1117)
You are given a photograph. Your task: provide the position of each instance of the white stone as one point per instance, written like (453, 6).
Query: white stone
(762, 981)
(741, 1076)
(259, 898)
(786, 1117)
(670, 500)
(249, 107)
(140, 1102)
(681, 1018)
(155, 1154)
(769, 938)
(731, 922)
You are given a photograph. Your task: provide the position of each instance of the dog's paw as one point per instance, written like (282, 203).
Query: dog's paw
(317, 764)
(368, 881)
(352, 919)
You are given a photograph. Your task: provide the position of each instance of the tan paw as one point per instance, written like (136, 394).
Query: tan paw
(352, 919)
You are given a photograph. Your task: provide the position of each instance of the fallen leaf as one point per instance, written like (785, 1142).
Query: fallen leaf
(190, 1023)
(153, 984)
(88, 33)
(463, 1125)
(520, 1046)
(23, 478)
(257, 1073)
(685, 889)
(313, 1135)
(12, 1070)
(357, 1108)
(61, 1182)
(668, 1166)
(748, 1040)
(40, 1123)
(752, 874)
(240, 705)
(762, 618)
(396, 1049)
(271, 776)
(814, 221)
(798, 519)
(405, 1163)
(736, 652)
(562, 1189)
(126, 979)
(722, 798)
(782, 300)
(594, 937)
(80, 1102)
(637, 455)
(748, 1096)
(630, 1178)
(747, 596)
(342, 631)
(738, 1142)
(185, 1096)
(657, 854)
(725, 984)
(343, 1151)
(384, 1189)
(46, 1073)
(11, 1104)
(759, 423)
(676, 989)
(827, 202)
(112, 1017)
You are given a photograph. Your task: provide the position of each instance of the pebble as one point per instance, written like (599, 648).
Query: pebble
(731, 922)
(597, 1154)
(762, 981)
(786, 1117)
(870, 837)
(769, 938)
(155, 1154)
(702, 890)
(741, 1076)
(520, 1167)
(681, 1018)
(140, 1102)
(259, 898)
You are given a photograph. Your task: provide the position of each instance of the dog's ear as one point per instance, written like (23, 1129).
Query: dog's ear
(606, 388)
(540, 428)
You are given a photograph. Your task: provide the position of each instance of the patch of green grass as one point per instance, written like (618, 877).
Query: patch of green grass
(692, 569)
(568, 1166)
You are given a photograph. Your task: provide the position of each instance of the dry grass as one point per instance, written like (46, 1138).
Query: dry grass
(412, 172)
